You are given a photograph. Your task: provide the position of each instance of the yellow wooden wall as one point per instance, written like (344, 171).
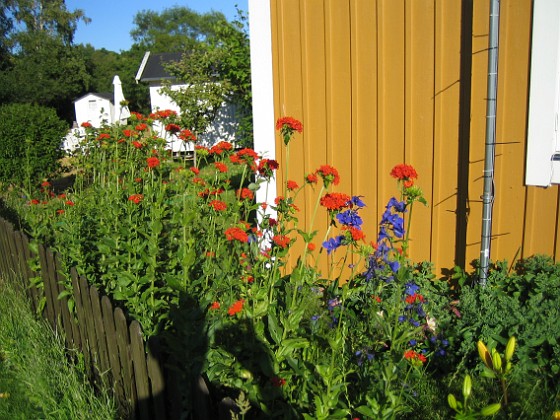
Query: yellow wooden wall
(380, 82)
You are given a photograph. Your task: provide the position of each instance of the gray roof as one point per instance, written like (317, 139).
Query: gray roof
(152, 66)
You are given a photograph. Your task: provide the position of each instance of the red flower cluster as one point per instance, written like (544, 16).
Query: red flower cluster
(86, 124)
(137, 144)
(162, 114)
(281, 240)
(195, 170)
(236, 234)
(290, 123)
(329, 175)
(335, 201)
(245, 194)
(136, 198)
(103, 136)
(236, 307)
(129, 133)
(266, 167)
(356, 233)
(141, 127)
(187, 135)
(222, 167)
(248, 156)
(414, 298)
(221, 147)
(311, 179)
(215, 305)
(277, 381)
(292, 185)
(172, 128)
(153, 162)
(218, 205)
(414, 356)
(405, 173)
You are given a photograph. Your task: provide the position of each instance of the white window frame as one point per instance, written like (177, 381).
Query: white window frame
(543, 140)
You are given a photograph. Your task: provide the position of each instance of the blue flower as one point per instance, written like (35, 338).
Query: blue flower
(333, 243)
(402, 318)
(355, 200)
(412, 342)
(394, 266)
(411, 288)
(399, 206)
(349, 218)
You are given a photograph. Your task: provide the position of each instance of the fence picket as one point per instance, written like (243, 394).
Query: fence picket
(99, 331)
(62, 303)
(123, 343)
(112, 347)
(90, 328)
(81, 321)
(157, 383)
(49, 305)
(140, 370)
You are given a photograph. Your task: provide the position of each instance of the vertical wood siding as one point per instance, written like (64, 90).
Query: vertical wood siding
(380, 82)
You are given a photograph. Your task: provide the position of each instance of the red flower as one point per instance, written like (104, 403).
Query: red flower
(222, 167)
(311, 179)
(245, 194)
(414, 298)
(69, 203)
(292, 185)
(281, 240)
(290, 123)
(215, 305)
(218, 205)
(195, 170)
(45, 184)
(34, 202)
(329, 175)
(136, 198)
(60, 211)
(236, 234)
(405, 173)
(137, 144)
(187, 135)
(414, 356)
(129, 133)
(141, 127)
(172, 128)
(103, 136)
(376, 298)
(86, 124)
(335, 201)
(165, 113)
(153, 162)
(356, 233)
(236, 307)
(221, 147)
(266, 167)
(277, 381)
(311, 247)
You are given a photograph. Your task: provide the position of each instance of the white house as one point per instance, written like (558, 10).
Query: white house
(152, 70)
(97, 109)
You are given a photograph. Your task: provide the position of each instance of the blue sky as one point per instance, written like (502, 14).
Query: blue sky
(112, 20)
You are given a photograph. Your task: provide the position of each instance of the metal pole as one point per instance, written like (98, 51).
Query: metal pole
(488, 176)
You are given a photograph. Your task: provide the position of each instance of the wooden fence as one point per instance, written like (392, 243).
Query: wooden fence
(114, 349)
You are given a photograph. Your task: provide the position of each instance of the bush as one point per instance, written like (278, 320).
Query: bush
(30, 140)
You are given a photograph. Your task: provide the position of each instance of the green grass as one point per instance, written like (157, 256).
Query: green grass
(37, 380)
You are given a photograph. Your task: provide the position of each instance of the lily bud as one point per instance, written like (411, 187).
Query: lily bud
(510, 348)
(484, 354)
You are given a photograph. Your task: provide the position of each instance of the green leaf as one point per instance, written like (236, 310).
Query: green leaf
(274, 329)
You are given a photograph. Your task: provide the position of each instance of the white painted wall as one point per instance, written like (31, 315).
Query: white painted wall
(260, 35)
(93, 109)
(222, 129)
(544, 96)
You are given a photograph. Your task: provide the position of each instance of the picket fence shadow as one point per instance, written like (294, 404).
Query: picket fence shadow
(115, 352)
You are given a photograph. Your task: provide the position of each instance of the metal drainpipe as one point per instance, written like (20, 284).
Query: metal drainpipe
(488, 192)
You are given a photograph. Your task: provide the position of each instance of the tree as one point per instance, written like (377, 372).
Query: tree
(177, 29)
(42, 66)
(215, 66)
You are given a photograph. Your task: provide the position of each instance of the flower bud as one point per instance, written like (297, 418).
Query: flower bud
(510, 348)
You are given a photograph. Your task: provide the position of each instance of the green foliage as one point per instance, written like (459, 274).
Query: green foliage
(30, 140)
(37, 379)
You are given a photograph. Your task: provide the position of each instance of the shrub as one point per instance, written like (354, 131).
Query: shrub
(30, 140)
